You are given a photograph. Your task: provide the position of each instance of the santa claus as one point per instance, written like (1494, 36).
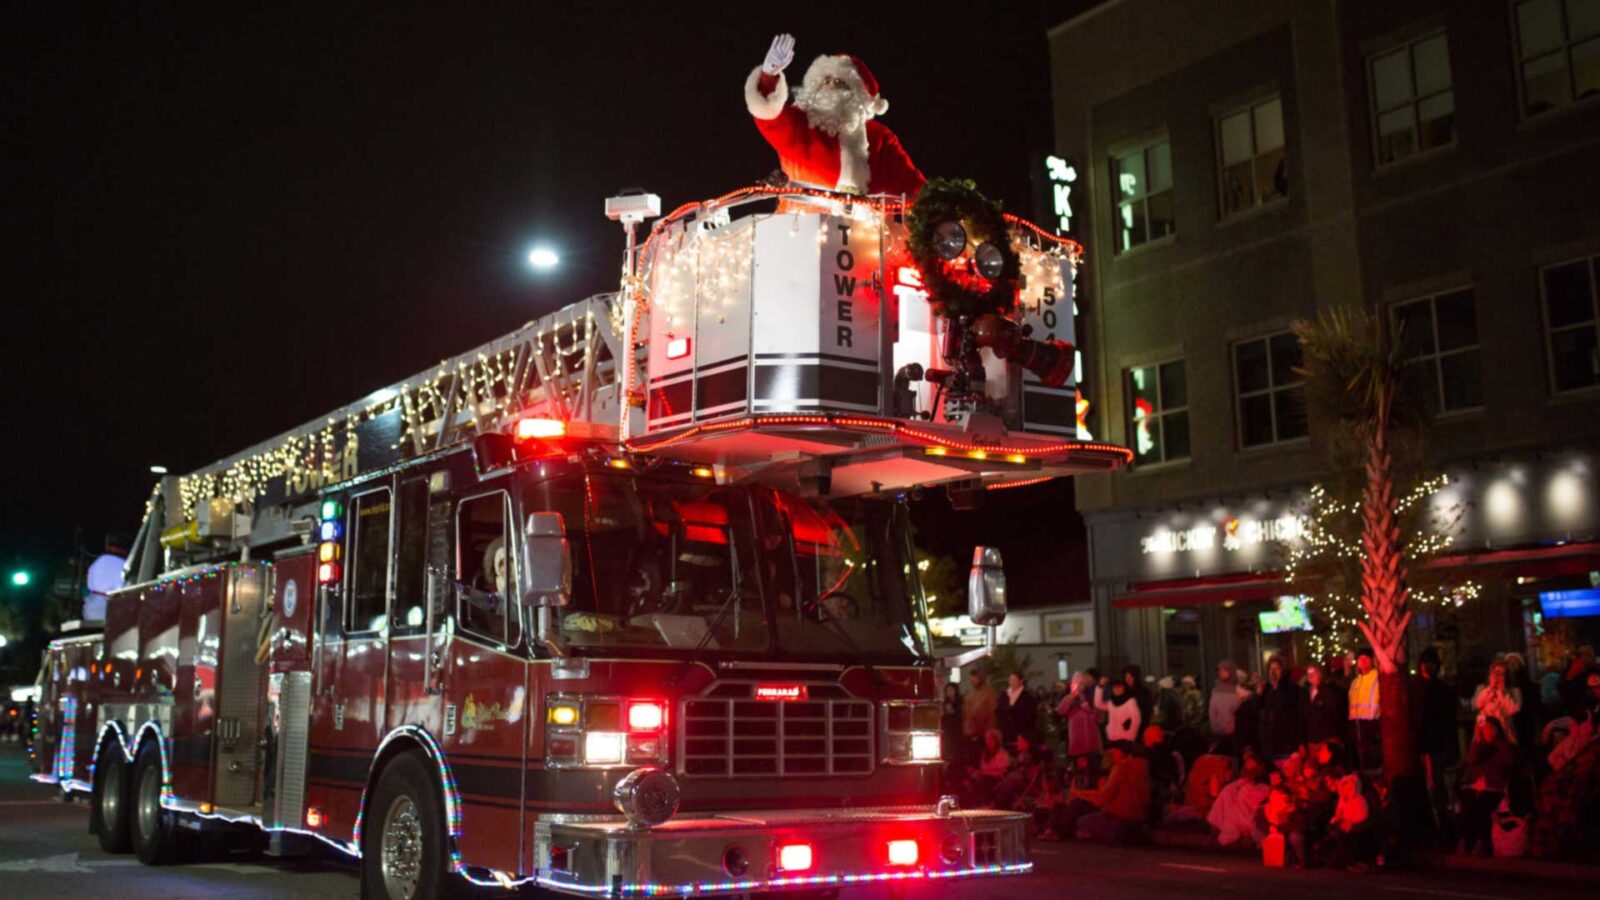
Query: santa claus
(828, 137)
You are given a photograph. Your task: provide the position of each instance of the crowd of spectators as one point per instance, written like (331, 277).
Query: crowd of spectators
(1291, 761)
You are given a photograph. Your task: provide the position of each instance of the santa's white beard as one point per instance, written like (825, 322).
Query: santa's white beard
(831, 110)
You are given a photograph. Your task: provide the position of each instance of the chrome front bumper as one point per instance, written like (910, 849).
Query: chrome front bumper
(602, 856)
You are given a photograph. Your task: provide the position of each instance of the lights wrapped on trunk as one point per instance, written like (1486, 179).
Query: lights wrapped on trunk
(600, 732)
(911, 733)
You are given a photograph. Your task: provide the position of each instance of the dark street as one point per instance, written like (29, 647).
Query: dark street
(46, 851)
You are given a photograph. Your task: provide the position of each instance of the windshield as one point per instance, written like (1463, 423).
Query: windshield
(696, 566)
(842, 579)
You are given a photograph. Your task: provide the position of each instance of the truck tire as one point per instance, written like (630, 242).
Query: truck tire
(155, 840)
(108, 813)
(404, 844)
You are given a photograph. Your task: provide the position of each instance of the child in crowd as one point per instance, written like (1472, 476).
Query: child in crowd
(1347, 844)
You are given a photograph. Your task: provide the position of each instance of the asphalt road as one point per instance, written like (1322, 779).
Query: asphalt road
(46, 851)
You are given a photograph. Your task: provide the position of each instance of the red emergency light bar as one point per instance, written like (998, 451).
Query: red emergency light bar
(780, 692)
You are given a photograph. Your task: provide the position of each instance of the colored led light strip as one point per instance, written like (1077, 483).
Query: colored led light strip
(67, 750)
(886, 426)
(683, 890)
(453, 819)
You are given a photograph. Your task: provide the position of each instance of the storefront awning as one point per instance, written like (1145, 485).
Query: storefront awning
(1574, 558)
(1556, 559)
(1196, 591)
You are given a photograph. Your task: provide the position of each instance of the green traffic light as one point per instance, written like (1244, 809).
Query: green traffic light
(20, 578)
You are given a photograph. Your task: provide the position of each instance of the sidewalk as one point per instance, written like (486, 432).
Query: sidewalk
(1566, 870)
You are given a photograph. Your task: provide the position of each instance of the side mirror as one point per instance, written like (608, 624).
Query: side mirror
(986, 587)
(547, 557)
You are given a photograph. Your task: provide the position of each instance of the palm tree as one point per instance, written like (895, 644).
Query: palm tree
(1353, 385)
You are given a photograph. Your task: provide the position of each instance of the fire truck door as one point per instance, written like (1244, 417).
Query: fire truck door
(359, 696)
(485, 693)
(417, 622)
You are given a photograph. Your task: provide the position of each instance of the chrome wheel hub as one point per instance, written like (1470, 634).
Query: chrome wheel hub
(401, 843)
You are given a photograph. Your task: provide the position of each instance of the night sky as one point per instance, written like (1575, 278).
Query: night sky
(224, 222)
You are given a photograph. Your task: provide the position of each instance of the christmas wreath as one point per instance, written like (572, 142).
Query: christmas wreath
(955, 276)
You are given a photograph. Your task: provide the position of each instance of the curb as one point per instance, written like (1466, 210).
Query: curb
(1562, 870)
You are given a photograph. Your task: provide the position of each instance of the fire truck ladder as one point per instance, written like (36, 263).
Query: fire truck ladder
(565, 364)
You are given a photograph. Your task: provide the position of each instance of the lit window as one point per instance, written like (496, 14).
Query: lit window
(1413, 107)
(1254, 169)
(1158, 413)
(1571, 318)
(1271, 394)
(1438, 337)
(1143, 184)
(1558, 52)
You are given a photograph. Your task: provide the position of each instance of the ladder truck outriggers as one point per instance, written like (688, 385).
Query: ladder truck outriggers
(623, 603)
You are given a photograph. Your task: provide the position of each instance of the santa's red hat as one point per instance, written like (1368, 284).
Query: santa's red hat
(852, 69)
(869, 84)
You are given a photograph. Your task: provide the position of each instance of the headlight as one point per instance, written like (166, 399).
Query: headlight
(949, 239)
(991, 262)
(602, 748)
(925, 747)
(911, 733)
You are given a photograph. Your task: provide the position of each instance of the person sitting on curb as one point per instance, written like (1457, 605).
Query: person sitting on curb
(1233, 813)
(1348, 844)
(1113, 812)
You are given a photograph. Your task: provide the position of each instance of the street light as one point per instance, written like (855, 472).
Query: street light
(21, 578)
(543, 258)
(158, 470)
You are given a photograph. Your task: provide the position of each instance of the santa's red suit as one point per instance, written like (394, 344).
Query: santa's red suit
(864, 159)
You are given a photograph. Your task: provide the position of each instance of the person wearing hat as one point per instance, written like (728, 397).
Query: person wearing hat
(103, 577)
(829, 137)
(1364, 705)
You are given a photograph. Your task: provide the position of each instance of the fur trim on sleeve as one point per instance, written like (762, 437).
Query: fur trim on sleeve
(765, 106)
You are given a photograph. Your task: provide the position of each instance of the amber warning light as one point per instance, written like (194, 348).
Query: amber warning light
(780, 692)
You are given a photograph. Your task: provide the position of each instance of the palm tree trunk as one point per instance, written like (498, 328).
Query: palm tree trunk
(1384, 594)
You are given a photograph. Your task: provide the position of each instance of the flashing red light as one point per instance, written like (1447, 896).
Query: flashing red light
(328, 573)
(909, 276)
(646, 715)
(313, 817)
(529, 429)
(677, 348)
(903, 853)
(780, 692)
(794, 857)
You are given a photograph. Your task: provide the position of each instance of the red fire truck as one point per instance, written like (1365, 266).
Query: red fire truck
(622, 603)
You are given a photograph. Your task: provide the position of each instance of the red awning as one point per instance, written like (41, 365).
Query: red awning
(1195, 591)
(1555, 559)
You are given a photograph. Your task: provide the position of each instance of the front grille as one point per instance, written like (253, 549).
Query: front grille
(726, 734)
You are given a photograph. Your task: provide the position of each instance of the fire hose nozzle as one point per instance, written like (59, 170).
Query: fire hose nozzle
(1052, 361)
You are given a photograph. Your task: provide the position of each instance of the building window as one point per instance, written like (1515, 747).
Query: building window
(1558, 52)
(1250, 153)
(1272, 395)
(1413, 108)
(1439, 339)
(1570, 317)
(1143, 182)
(1158, 412)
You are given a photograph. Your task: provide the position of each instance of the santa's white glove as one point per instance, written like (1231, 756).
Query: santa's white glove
(779, 55)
